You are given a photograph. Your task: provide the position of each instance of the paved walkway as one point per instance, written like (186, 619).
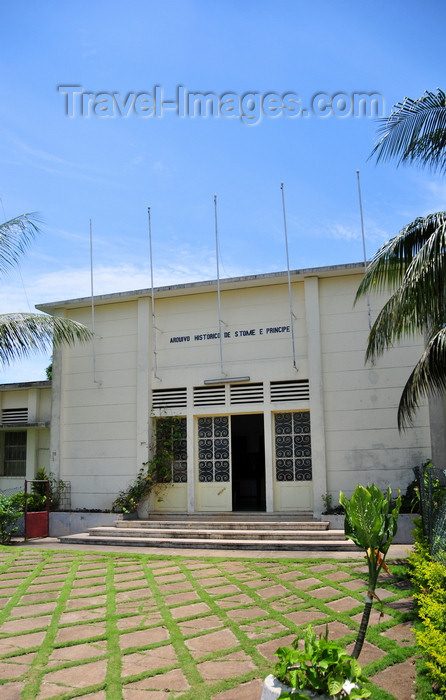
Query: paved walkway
(105, 625)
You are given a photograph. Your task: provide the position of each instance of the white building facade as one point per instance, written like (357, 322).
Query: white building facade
(277, 404)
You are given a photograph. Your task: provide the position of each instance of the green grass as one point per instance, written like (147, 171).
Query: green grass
(81, 608)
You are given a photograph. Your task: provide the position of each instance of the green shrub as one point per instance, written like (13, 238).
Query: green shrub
(9, 514)
(429, 579)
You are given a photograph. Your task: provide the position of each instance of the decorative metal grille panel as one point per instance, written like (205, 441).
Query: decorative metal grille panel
(293, 446)
(178, 434)
(290, 391)
(14, 416)
(210, 395)
(246, 393)
(213, 448)
(169, 398)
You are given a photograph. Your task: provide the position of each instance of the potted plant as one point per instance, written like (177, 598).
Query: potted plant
(321, 669)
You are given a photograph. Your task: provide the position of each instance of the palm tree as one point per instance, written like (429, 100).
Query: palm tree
(415, 132)
(412, 265)
(22, 333)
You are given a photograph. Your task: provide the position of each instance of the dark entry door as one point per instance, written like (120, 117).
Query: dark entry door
(248, 463)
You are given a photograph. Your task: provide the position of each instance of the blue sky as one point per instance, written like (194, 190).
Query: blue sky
(111, 168)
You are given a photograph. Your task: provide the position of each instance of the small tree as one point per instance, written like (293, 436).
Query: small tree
(371, 522)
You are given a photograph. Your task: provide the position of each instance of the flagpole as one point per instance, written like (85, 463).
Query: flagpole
(290, 297)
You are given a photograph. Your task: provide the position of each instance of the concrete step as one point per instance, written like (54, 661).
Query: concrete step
(192, 543)
(153, 533)
(199, 523)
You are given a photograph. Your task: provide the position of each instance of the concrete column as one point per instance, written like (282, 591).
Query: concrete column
(191, 461)
(56, 415)
(269, 459)
(142, 383)
(318, 451)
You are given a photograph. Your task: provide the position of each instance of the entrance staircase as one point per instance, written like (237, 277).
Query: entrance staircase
(242, 531)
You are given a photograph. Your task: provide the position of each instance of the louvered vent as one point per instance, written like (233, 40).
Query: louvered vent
(290, 391)
(246, 393)
(14, 416)
(169, 398)
(209, 395)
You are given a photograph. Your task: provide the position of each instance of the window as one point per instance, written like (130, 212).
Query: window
(213, 448)
(171, 439)
(293, 446)
(14, 453)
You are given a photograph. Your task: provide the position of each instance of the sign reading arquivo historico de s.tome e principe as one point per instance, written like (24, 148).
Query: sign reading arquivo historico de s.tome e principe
(238, 333)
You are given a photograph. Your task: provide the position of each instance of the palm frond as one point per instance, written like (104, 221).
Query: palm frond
(415, 131)
(428, 377)
(15, 236)
(22, 334)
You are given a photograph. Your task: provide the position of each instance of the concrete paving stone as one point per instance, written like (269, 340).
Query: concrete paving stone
(134, 594)
(319, 568)
(199, 623)
(78, 652)
(87, 602)
(11, 671)
(11, 581)
(273, 591)
(178, 586)
(246, 691)
(268, 649)
(369, 653)
(337, 576)
(130, 693)
(143, 638)
(189, 610)
(402, 634)
(148, 660)
(214, 641)
(170, 578)
(335, 629)
(99, 695)
(344, 604)
(247, 613)
(305, 583)
(25, 624)
(290, 575)
(383, 593)
(139, 607)
(375, 616)
(183, 597)
(405, 687)
(78, 632)
(234, 600)
(230, 666)
(354, 585)
(81, 615)
(262, 628)
(51, 572)
(212, 581)
(7, 591)
(259, 583)
(128, 576)
(31, 610)
(324, 592)
(223, 590)
(80, 676)
(288, 602)
(404, 605)
(193, 564)
(39, 597)
(305, 617)
(22, 641)
(88, 591)
(166, 570)
(12, 691)
(208, 572)
(174, 680)
(131, 622)
(233, 567)
(47, 587)
(248, 575)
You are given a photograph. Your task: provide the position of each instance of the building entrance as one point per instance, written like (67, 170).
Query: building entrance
(248, 463)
